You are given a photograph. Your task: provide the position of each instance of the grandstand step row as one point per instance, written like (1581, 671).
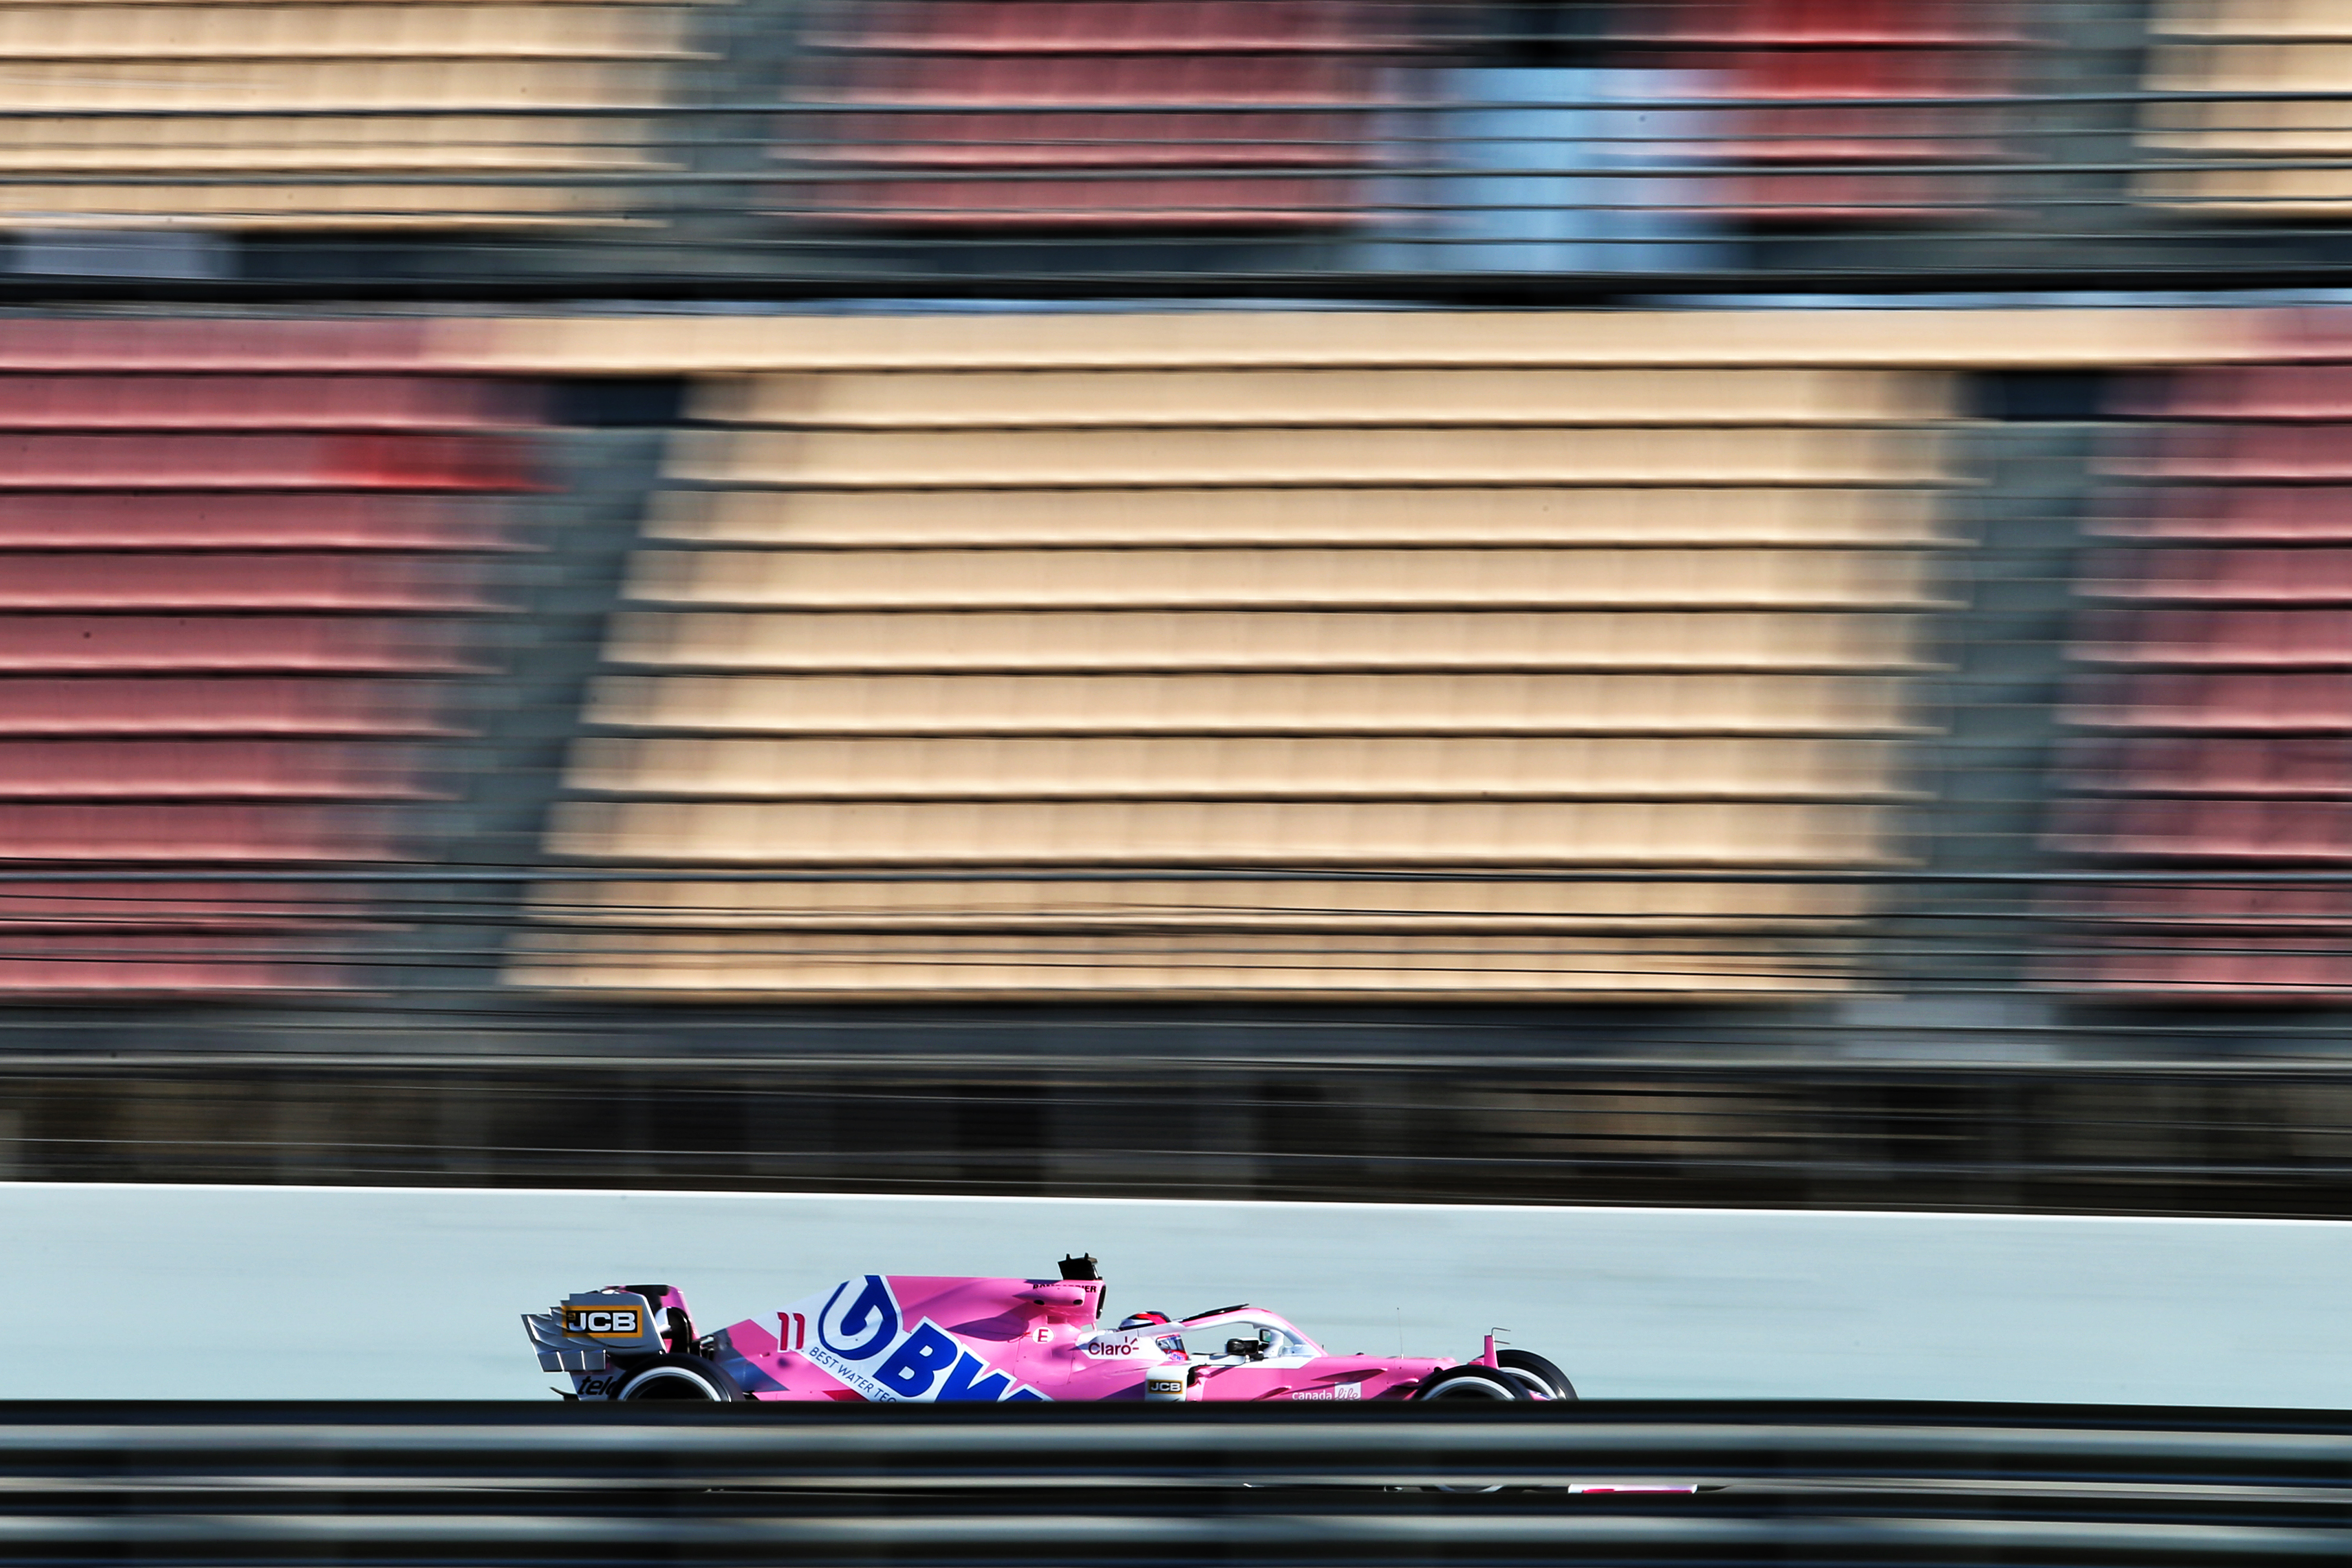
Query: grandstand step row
(1190, 832)
(2199, 637)
(1249, 704)
(970, 639)
(1250, 965)
(2313, 766)
(1418, 400)
(1681, 767)
(1485, 516)
(1260, 455)
(995, 901)
(1269, 579)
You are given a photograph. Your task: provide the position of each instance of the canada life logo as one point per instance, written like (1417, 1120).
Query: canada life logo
(858, 1340)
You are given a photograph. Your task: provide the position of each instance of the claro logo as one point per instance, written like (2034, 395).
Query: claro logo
(604, 1322)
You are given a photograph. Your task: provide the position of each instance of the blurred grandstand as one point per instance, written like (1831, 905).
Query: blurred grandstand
(1716, 600)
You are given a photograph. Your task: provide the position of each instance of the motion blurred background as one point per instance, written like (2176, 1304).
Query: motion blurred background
(1709, 602)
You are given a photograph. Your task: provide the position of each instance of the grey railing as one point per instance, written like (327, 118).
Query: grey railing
(497, 1484)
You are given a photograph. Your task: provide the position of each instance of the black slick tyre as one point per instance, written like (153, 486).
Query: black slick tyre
(680, 1377)
(1471, 1383)
(1536, 1372)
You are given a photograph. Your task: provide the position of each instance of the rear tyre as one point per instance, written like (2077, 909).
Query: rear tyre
(1539, 1373)
(1471, 1383)
(680, 1377)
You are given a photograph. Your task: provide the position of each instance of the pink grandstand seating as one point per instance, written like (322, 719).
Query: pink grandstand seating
(1846, 148)
(237, 564)
(2248, 767)
(2282, 512)
(2218, 655)
(229, 402)
(1095, 115)
(2295, 638)
(315, 519)
(251, 644)
(2232, 574)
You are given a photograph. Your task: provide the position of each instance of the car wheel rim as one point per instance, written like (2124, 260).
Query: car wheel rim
(1536, 1387)
(667, 1383)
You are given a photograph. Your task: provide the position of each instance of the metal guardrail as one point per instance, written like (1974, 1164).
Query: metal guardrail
(166, 1483)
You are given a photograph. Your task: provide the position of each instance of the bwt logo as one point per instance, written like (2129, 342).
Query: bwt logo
(860, 1343)
(617, 1323)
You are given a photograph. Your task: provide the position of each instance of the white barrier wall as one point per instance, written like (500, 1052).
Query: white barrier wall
(340, 1292)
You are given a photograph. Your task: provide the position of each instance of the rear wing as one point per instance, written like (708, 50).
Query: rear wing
(588, 1329)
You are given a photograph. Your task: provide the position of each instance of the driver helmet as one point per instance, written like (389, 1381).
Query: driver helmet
(1145, 1320)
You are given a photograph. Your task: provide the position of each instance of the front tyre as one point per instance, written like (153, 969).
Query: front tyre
(681, 1377)
(1535, 1371)
(1471, 1383)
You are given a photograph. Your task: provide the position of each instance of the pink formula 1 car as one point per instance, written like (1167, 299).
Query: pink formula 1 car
(921, 1337)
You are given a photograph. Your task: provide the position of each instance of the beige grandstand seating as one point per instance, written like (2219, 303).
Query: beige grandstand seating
(1544, 515)
(1062, 400)
(1715, 340)
(248, 115)
(1026, 645)
(1301, 700)
(2281, 157)
(1112, 767)
(1487, 638)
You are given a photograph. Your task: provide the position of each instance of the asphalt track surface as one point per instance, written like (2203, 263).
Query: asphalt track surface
(375, 1293)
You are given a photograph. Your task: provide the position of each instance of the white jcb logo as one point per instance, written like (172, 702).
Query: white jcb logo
(619, 1321)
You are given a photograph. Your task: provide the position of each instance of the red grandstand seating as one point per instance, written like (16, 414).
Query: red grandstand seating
(2226, 688)
(2252, 905)
(2269, 701)
(218, 402)
(2286, 639)
(161, 832)
(1101, 115)
(169, 935)
(237, 581)
(239, 769)
(237, 461)
(1841, 152)
(193, 347)
(2226, 962)
(2281, 512)
(2238, 831)
(307, 519)
(2262, 391)
(2249, 767)
(1090, 26)
(2242, 573)
(237, 563)
(251, 644)
(2298, 451)
(172, 703)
